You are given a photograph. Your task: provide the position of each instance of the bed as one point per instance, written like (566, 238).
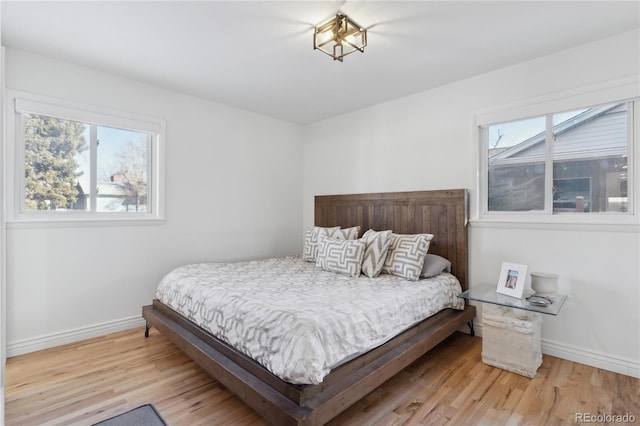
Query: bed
(440, 213)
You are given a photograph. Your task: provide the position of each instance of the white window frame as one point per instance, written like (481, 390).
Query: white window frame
(19, 103)
(623, 90)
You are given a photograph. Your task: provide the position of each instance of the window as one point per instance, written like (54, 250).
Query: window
(76, 164)
(567, 163)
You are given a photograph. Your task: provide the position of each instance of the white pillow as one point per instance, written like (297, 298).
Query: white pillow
(347, 233)
(341, 256)
(406, 255)
(310, 248)
(375, 253)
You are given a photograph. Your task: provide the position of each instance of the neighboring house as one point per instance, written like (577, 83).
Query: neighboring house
(590, 166)
(113, 196)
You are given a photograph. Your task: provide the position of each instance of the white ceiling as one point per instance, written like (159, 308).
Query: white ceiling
(259, 55)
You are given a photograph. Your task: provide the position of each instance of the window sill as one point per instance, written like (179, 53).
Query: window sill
(629, 225)
(89, 222)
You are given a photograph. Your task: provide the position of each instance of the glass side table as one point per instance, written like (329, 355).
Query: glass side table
(511, 329)
(486, 293)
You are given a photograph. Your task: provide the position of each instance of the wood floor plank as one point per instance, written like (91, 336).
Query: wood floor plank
(86, 382)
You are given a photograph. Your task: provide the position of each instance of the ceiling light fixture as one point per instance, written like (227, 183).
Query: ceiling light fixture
(339, 37)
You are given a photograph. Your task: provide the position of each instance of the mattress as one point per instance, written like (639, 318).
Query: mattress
(297, 320)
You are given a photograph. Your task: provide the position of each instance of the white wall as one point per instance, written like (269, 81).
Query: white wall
(233, 191)
(425, 141)
(3, 304)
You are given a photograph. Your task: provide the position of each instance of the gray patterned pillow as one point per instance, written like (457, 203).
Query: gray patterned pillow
(406, 255)
(341, 256)
(310, 251)
(375, 252)
(347, 233)
(310, 248)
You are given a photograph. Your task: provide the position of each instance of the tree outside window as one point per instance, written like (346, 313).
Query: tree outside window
(57, 166)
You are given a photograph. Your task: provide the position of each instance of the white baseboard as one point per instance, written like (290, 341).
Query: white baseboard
(70, 336)
(606, 362)
(572, 353)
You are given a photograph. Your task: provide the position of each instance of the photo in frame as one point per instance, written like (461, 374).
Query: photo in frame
(512, 278)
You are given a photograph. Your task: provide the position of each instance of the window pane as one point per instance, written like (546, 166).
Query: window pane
(122, 170)
(590, 160)
(53, 150)
(516, 152)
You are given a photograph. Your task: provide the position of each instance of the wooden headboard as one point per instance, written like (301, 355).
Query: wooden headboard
(442, 213)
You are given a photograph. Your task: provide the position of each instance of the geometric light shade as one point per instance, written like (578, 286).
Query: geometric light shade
(339, 36)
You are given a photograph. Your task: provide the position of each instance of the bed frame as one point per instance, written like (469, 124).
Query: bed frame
(441, 213)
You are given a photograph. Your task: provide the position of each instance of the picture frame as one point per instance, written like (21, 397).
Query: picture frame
(512, 279)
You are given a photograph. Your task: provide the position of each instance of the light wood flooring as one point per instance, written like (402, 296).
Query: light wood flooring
(86, 382)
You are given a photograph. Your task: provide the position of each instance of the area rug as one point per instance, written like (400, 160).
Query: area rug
(145, 415)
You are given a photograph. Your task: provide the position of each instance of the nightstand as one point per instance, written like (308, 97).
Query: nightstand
(511, 329)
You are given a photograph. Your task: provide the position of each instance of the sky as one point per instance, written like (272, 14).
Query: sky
(514, 132)
(111, 142)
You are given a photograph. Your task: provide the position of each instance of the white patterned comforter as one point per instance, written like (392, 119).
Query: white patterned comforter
(297, 320)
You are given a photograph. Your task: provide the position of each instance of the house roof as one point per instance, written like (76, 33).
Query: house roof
(106, 189)
(112, 189)
(594, 133)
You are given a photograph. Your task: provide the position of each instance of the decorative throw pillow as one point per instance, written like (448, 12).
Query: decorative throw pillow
(310, 249)
(347, 233)
(406, 255)
(434, 265)
(341, 256)
(375, 253)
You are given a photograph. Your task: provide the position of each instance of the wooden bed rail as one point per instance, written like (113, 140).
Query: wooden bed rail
(282, 403)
